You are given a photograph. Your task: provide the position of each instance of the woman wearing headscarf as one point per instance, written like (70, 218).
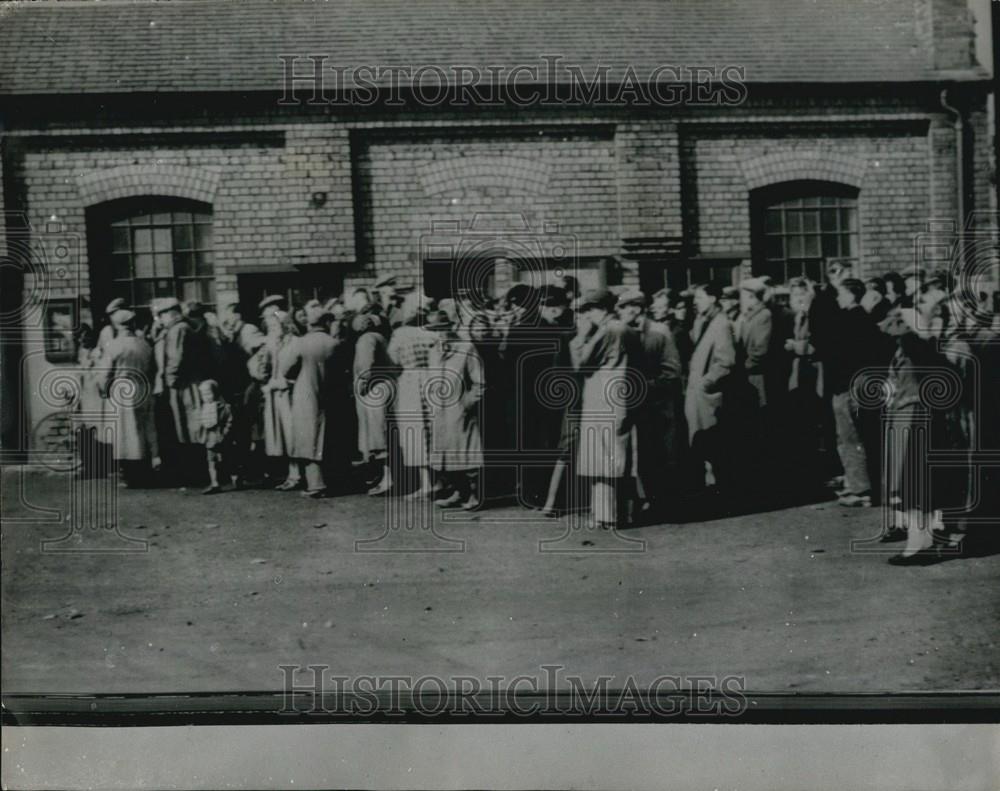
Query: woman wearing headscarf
(454, 392)
(410, 348)
(372, 394)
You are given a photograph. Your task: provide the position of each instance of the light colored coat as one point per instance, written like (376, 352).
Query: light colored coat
(128, 388)
(455, 388)
(410, 349)
(712, 362)
(277, 393)
(604, 434)
(371, 392)
(309, 361)
(182, 375)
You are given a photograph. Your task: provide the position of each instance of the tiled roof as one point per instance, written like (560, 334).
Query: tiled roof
(98, 46)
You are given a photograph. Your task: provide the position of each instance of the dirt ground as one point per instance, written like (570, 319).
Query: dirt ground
(214, 593)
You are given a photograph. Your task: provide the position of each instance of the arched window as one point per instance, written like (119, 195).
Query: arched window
(150, 247)
(798, 226)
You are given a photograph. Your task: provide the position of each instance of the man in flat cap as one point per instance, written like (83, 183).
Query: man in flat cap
(128, 387)
(654, 414)
(712, 363)
(754, 363)
(599, 352)
(235, 341)
(547, 422)
(184, 361)
(309, 362)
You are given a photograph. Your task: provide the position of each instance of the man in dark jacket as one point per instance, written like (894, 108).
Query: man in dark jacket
(856, 344)
(654, 415)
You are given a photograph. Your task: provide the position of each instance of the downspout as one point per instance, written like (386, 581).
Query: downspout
(959, 174)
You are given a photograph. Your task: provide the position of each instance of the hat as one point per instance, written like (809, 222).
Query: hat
(164, 304)
(385, 282)
(755, 285)
(120, 317)
(597, 298)
(632, 297)
(114, 305)
(437, 320)
(730, 292)
(268, 301)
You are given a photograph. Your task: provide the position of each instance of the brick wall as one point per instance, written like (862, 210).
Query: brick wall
(890, 166)
(544, 190)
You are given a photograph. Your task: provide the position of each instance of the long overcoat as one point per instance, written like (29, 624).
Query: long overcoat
(753, 350)
(372, 391)
(185, 356)
(712, 362)
(410, 349)
(655, 413)
(128, 387)
(455, 390)
(309, 360)
(277, 392)
(604, 438)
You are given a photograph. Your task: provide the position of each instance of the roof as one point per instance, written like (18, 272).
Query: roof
(108, 46)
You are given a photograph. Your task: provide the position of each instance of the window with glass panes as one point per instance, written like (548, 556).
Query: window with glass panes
(801, 226)
(161, 248)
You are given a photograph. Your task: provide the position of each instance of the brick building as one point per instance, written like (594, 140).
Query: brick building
(157, 148)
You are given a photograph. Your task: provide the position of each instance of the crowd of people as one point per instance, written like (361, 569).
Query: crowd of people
(714, 394)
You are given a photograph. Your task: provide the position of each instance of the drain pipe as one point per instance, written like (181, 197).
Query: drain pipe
(959, 171)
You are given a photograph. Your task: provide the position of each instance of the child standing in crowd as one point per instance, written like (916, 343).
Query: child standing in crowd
(216, 421)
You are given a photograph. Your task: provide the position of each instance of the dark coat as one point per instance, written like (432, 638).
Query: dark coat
(656, 416)
(754, 350)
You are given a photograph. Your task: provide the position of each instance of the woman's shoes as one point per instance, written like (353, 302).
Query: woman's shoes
(452, 501)
(213, 489)
(924, 557)
(894, 534)
(855, 500)
(287, 486)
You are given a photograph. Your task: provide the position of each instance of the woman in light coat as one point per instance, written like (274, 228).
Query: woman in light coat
(277, 392)
(598, 353)
(410, 348)
(128, 388)
(372, 393)
(455, 390)
(309, 360)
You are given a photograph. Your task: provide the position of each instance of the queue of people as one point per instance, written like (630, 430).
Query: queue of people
(713, 395)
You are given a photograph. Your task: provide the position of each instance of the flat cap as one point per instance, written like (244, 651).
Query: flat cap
(269, 300)
(597, 298)
(632, 297)
(164, 304)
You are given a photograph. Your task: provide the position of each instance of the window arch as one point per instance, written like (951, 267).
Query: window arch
(798, 226)
(150, 247)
